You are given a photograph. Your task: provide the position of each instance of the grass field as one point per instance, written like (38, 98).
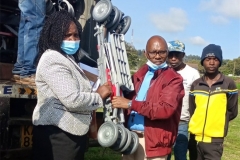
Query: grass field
(231, 144)
(238, 86)
(100, 153)
(232, 141)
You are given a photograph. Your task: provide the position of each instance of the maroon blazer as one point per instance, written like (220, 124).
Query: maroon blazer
(161, 109)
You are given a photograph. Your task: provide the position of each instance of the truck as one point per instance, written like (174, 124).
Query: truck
(17, 101)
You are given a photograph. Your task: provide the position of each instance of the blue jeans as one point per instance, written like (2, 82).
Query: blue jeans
(181, 145)
(30, 26)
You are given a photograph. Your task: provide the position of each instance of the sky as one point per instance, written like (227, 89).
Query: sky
(196, 23)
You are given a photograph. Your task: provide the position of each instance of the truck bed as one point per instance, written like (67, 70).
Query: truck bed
(9, 89)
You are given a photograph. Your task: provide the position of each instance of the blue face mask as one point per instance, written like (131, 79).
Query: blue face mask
(70, 47)
(156, 67)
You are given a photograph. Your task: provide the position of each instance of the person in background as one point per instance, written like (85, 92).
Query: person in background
(189, 75)
(66, 101)
(213, 102)
(154, 107)
(31, 22)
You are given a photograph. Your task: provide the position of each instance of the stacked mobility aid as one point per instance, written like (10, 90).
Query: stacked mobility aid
(113, 68)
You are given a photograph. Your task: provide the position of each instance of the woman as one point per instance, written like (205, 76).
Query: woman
(62, 115)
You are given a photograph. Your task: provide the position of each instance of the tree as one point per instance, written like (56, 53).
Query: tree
(133, 60)
(142, 59)
(132, 55)
(236, 66)
(190, 58)
(136, 58)
(231, 67)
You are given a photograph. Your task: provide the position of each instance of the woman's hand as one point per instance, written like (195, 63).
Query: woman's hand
(120, 102)
(105, 90)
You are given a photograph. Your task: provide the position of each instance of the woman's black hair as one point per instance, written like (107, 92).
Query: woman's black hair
(54, 30)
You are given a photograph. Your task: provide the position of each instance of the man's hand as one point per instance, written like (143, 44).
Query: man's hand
(120, 102)
(104, 91)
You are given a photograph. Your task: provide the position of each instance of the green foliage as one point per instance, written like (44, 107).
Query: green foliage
(136, 58)
(238, 86)
(142, 59)
(133, 59)
(225, 61)
(132, 72)
(194, 58)
(228, 66)
(236, 66)
(231, 67)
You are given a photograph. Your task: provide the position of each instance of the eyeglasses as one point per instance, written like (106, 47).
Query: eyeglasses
(160, 53)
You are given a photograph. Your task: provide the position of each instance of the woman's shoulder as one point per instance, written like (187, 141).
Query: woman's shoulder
(52, 56)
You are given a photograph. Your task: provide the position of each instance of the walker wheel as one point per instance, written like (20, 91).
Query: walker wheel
(123, 25)
(122, 138)
(113, 18)
(102, 10)
(64, 4)
(112, 29)
(127, 143)
(107, 134)
(134, 144)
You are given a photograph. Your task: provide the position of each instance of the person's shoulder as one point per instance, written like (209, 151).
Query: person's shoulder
(229, 82)
(169, 71)
(228, 79)
(51, 53)
(141, 70)
(197, 81)
(52, 56)
(189, 68)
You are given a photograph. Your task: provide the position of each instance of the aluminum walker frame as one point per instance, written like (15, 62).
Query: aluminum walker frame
(113, 68)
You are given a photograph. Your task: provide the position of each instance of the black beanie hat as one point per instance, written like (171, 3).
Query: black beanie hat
(212, 50)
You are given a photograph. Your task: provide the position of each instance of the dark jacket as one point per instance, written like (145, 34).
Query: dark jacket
(161, 109)
(211, 108)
